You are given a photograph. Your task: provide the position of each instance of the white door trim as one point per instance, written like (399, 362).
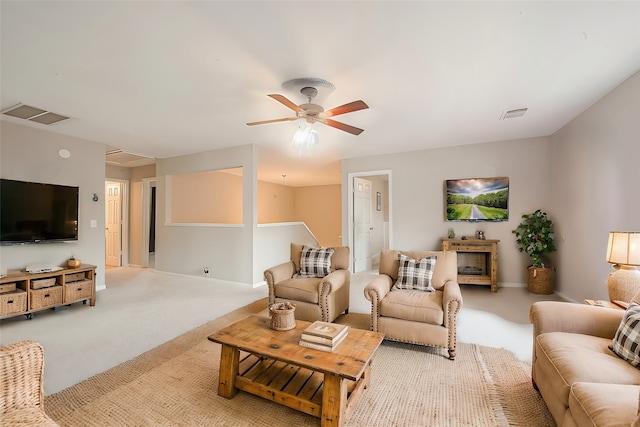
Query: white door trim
(350, 190)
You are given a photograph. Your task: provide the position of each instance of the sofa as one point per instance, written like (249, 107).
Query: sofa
(322, 292)
(582, 381)
(416, 316)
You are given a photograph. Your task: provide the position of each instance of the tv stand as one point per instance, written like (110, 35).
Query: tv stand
(477, 261)
(25, 293)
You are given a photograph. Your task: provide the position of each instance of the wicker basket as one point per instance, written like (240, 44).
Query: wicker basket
(73, 277)
(7, 287)
(540, 280)
(13, 302)
(47, 297)
(282, 316)
(77, 291)
(43, 283)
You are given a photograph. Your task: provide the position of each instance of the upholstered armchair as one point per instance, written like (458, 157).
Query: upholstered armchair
(427, 316)
(21, 385)
(316, 280)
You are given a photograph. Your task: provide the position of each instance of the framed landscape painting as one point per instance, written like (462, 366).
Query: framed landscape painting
(477, 199)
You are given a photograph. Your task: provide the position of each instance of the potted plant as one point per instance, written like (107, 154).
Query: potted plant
(534, 235)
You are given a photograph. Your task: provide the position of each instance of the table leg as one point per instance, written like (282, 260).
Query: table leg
(366, 376)
(334, 401)
(229, 365)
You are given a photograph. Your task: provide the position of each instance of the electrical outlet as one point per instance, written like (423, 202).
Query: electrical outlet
(206, 271)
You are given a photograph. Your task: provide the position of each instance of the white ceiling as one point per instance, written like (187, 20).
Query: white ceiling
(177, 77)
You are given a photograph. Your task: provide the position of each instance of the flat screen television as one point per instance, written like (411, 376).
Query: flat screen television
(32, 212)
(477, 199)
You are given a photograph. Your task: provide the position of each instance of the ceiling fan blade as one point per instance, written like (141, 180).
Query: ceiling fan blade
(346, 108)
(286, 119)
(285, 101)
(342, 126)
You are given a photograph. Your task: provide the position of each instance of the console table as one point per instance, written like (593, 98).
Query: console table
(25, 293)
(477, 261)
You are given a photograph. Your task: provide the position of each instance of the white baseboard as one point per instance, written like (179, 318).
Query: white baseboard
(511, 285)
(566, 298)
(260, 284)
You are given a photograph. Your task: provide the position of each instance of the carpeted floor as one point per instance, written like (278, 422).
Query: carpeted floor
(176, 383)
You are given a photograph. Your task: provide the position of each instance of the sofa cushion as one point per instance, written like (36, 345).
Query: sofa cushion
(415, 274)
(603, 404)
(564, 359)
(412, 305)
(315, 262)
(339, 259)
(626, 342)
(446, 271)
(305, 289)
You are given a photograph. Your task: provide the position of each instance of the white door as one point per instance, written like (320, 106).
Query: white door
(113, 196)
(361, 224)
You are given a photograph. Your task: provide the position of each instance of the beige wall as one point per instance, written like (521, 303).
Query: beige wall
(584, 176)
(31, 154)
(227, 249)
(417, 193)
(209, 197)
(596, 188)
(275, 203)
(320, 208)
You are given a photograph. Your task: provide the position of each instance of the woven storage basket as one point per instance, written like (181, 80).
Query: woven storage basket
(43, 283)
(47, 297)
(7, 287)
(282, 316)
(540, 280)
(73, 277)
(77, 291)
(13, 302)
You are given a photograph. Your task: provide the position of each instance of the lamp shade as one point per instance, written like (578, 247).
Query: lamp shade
(624, 248)
(305, 138)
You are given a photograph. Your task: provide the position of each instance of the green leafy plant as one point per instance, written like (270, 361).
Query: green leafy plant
(534, 236)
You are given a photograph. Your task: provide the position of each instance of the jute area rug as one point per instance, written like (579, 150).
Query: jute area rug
(175, 384)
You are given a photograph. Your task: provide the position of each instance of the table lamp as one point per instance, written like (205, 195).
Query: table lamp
(623, 252)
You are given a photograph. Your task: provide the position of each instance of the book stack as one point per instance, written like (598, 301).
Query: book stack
(323, 336)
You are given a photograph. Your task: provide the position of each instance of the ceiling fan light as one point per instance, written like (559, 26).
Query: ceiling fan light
(305, 138)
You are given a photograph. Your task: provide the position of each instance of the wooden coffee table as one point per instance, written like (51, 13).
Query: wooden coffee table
(271, 364)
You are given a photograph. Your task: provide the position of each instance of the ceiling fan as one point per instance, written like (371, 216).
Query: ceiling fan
(315, 113)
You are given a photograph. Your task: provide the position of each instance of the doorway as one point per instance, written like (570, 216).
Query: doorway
(116, 223)
(369, 214)
(148, 259)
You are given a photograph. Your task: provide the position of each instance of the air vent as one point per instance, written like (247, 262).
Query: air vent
(118, 157)
(34, 114)
(512, 114)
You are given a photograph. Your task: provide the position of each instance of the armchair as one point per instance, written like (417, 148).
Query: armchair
(316, 298)
(416, 316)
(21, 385)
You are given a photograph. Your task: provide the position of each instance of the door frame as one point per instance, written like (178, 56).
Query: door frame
(147, 183)
(350, 190)
(124, 218)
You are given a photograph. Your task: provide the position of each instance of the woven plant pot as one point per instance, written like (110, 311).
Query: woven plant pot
(540, 280)
(282, 316)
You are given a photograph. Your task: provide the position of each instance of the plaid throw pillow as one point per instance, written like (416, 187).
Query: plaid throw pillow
(315, 262)
(626, 342)
(415, 275)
